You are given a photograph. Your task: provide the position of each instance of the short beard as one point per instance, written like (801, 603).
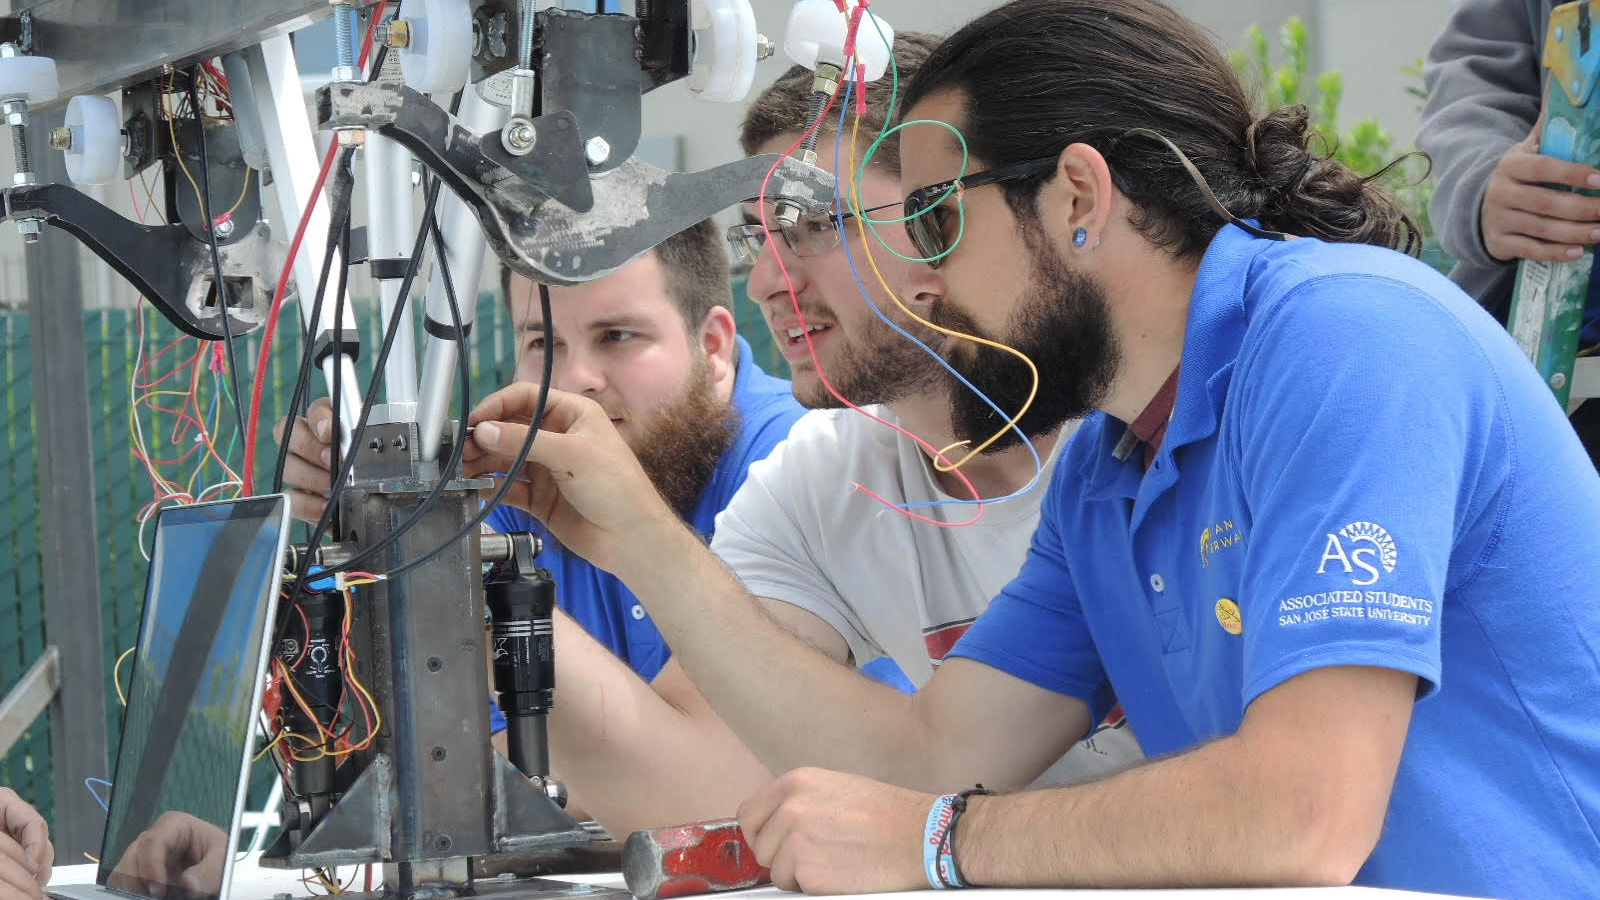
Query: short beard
(884, 367)
(1064, 326)
(685, 441)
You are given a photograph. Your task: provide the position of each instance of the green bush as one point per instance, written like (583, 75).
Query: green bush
(1365, 146)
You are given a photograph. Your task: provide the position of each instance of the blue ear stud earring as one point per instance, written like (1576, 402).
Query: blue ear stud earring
(1080, 238)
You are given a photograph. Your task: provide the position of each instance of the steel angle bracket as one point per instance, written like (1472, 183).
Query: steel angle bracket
(165, 263)
(597, 223)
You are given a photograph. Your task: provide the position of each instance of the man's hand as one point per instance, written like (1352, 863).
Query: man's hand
(580, 479)
(178, 851)
(307, 473)
(25, 851)
(1524, 218)
(829, 833)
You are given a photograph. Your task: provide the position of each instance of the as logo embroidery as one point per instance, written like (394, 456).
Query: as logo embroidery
(1363, 546)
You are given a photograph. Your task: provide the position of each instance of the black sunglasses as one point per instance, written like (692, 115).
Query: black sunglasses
(925, 217)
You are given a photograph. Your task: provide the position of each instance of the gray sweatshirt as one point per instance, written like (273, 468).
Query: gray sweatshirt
(1484, 86)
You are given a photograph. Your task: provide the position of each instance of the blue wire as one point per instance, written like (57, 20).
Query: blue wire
(844, 238)
(90, 783)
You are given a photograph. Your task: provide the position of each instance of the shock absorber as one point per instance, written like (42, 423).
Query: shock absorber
(522, 602)
(310, 655)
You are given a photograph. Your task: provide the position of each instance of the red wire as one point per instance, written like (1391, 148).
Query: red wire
(253, 423)
(811, 347)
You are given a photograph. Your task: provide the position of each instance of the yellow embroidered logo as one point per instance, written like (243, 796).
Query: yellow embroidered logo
(1216, 538)
(1228, 616)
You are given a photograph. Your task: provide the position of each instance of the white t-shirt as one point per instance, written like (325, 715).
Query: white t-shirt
(897, 590)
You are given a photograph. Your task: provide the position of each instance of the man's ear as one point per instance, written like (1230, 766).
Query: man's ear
(719, 337)
(1082, 191)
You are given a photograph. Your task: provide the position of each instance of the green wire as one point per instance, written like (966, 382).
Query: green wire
(872, 223)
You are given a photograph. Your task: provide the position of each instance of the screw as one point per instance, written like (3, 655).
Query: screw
(352, 137)
(376, 444)
(61, 138)
(224, 228)
(344, 35)
(1558, 380)
(399, 443)
(438, 754)
(444, 842)
(765, 47)
(597, 150)
(435, 664)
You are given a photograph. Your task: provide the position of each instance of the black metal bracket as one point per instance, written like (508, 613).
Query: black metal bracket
(165, 263)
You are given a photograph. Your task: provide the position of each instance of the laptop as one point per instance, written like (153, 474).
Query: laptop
(178, 788)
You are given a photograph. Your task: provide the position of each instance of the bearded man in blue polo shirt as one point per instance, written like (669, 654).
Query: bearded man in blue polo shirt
(1327, 536)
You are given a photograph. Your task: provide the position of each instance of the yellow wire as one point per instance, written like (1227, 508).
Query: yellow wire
(116, 674)
(860, 216)
(172, 129)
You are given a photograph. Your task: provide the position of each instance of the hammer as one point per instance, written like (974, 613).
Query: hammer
(690, 859)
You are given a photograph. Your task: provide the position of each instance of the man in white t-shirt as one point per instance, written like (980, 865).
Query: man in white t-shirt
(866, 586)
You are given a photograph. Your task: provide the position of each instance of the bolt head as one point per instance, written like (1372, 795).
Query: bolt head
(352, 137)
(598, 150)
(1558, 380)
(16, 117)
(519, 136)
(346, 73)
(29, 229)
(765, 47)
(224, 228)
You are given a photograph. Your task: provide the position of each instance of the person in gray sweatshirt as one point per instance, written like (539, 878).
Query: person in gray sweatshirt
(1498, 199)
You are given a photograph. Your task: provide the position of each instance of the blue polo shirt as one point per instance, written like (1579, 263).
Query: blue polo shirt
(598, 600)
(1361, 469)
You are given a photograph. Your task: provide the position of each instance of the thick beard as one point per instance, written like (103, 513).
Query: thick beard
(1064, 326)
(881, 368)
(685, 441)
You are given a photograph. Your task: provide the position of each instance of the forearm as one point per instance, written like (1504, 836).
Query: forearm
(632, 758)
(1200, 819)
(790, 704)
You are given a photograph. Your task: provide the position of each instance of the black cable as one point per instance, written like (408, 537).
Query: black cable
(216, 252)
(522, 455)
(340, 222)
(451, 466)
(344, 181)
(373, 384)
(335, 399)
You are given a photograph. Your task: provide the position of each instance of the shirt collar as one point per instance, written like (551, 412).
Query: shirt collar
(1212, 337)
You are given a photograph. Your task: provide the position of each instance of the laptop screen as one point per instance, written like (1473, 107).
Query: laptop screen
(193, 692)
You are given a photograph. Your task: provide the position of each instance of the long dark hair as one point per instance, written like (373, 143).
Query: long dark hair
(1038, 75)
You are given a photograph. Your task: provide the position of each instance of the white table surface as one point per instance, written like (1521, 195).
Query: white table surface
(251, 882)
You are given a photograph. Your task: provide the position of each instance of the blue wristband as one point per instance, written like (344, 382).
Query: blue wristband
(938, 865)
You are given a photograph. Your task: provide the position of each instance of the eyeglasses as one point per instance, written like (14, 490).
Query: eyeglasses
(925, 216)
(811, 235)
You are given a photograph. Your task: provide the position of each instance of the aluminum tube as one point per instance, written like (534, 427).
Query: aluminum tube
(391, 230)
(464, 251)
